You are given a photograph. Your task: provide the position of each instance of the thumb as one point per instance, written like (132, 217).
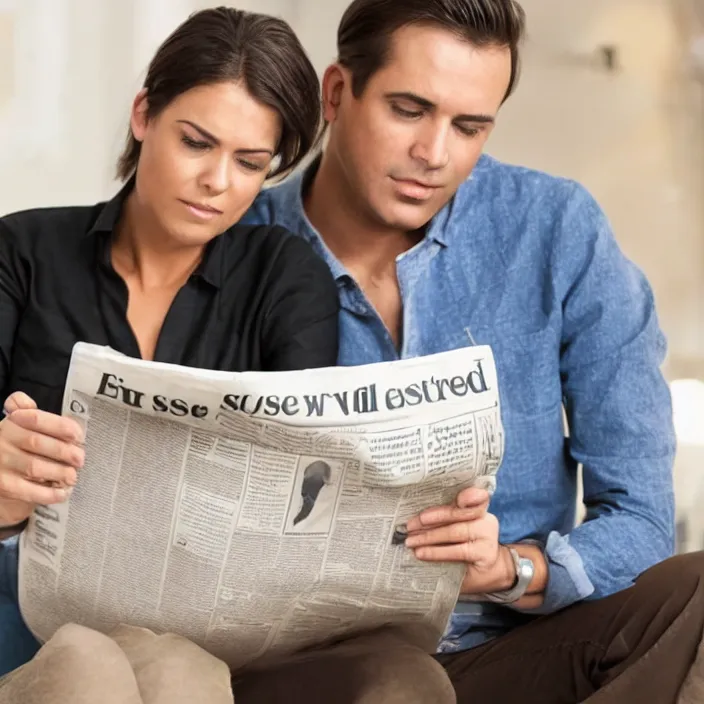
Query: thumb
(18, 401)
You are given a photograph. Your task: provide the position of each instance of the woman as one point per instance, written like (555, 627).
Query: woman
(163, 271)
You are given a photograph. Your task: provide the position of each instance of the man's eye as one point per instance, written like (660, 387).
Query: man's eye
(194, 143)
(402, 112)
(468, 131)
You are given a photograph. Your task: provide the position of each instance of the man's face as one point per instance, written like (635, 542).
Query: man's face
(415, 134)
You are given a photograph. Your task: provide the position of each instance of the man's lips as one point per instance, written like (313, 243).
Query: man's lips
(415, 182)
(416, 190)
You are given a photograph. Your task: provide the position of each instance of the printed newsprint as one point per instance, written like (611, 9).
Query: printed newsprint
(260, 513)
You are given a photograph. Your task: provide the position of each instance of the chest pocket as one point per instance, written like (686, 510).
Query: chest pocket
(528, 368)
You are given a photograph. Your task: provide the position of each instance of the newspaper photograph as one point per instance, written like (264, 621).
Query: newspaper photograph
(259, 514)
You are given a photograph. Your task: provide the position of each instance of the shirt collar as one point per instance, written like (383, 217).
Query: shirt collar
(110, 212)
(289, 196)
(210, 268)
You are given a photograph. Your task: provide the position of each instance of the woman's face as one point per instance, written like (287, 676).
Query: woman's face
(204, 159)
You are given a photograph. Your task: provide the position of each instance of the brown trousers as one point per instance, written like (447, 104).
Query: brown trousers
(636, 647)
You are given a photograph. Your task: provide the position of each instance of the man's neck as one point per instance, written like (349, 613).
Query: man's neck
(355, 239)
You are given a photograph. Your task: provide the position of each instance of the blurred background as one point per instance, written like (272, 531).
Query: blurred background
(612, 94)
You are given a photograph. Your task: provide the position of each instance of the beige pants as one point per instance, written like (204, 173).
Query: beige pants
(131, 666)
(134, 666)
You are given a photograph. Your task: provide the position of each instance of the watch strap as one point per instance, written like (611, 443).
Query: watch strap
(524, 576)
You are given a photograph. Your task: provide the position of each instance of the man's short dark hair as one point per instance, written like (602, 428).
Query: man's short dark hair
(365, 33)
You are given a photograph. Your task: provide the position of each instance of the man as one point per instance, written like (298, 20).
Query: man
(434, 247)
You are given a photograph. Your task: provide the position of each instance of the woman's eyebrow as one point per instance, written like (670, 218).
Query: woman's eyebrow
(212, 138)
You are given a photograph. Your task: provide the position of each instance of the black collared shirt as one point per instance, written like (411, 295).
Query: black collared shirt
(261, 300)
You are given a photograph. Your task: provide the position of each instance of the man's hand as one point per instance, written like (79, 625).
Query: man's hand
(466, 532)
(40, 454)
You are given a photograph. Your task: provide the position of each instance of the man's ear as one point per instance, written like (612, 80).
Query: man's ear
(138, 116)
(335, 81)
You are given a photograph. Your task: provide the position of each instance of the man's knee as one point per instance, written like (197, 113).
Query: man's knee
(412, 676)
(391, 672)
(682, 573)
(669, 589)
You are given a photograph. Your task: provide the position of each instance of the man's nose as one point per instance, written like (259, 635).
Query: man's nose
(432, 147)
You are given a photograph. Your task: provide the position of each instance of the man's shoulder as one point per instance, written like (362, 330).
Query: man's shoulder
(521, 202)
(521, 187)
(276, 204)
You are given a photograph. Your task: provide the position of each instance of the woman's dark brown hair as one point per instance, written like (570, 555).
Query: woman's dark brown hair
(365, 31)
(223, 44)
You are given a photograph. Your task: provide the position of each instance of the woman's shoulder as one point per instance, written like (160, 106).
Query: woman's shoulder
(271, 242)
(39, 225)
(274, 257)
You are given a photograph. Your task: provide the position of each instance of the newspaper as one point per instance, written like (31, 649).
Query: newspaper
(260, 513)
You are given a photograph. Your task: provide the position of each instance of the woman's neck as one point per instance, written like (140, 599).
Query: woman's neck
(145, 254)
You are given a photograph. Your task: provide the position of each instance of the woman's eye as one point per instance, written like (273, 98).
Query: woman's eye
(196, 144)
(250, 165)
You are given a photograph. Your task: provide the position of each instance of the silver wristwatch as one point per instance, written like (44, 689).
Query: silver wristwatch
(524, 576)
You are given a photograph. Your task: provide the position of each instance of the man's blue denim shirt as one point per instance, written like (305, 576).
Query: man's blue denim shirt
(527, 263)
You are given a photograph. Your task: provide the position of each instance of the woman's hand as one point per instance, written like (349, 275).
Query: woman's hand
(40, 455)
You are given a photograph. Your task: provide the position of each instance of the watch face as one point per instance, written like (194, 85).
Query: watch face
(525, 569)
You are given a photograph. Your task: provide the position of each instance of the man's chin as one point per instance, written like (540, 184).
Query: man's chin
(410, 217)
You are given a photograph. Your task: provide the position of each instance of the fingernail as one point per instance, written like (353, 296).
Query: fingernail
(63, 494)
(413, 541)
(399, 536)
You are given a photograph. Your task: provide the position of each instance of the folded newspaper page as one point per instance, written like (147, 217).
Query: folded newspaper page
(259, 514)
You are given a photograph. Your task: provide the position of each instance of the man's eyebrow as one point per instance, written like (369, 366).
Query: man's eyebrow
(429, 105)
(212, 138)
(413, 98)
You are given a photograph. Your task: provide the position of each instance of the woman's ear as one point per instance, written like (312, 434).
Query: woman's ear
(334, 82)
(138, 116)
